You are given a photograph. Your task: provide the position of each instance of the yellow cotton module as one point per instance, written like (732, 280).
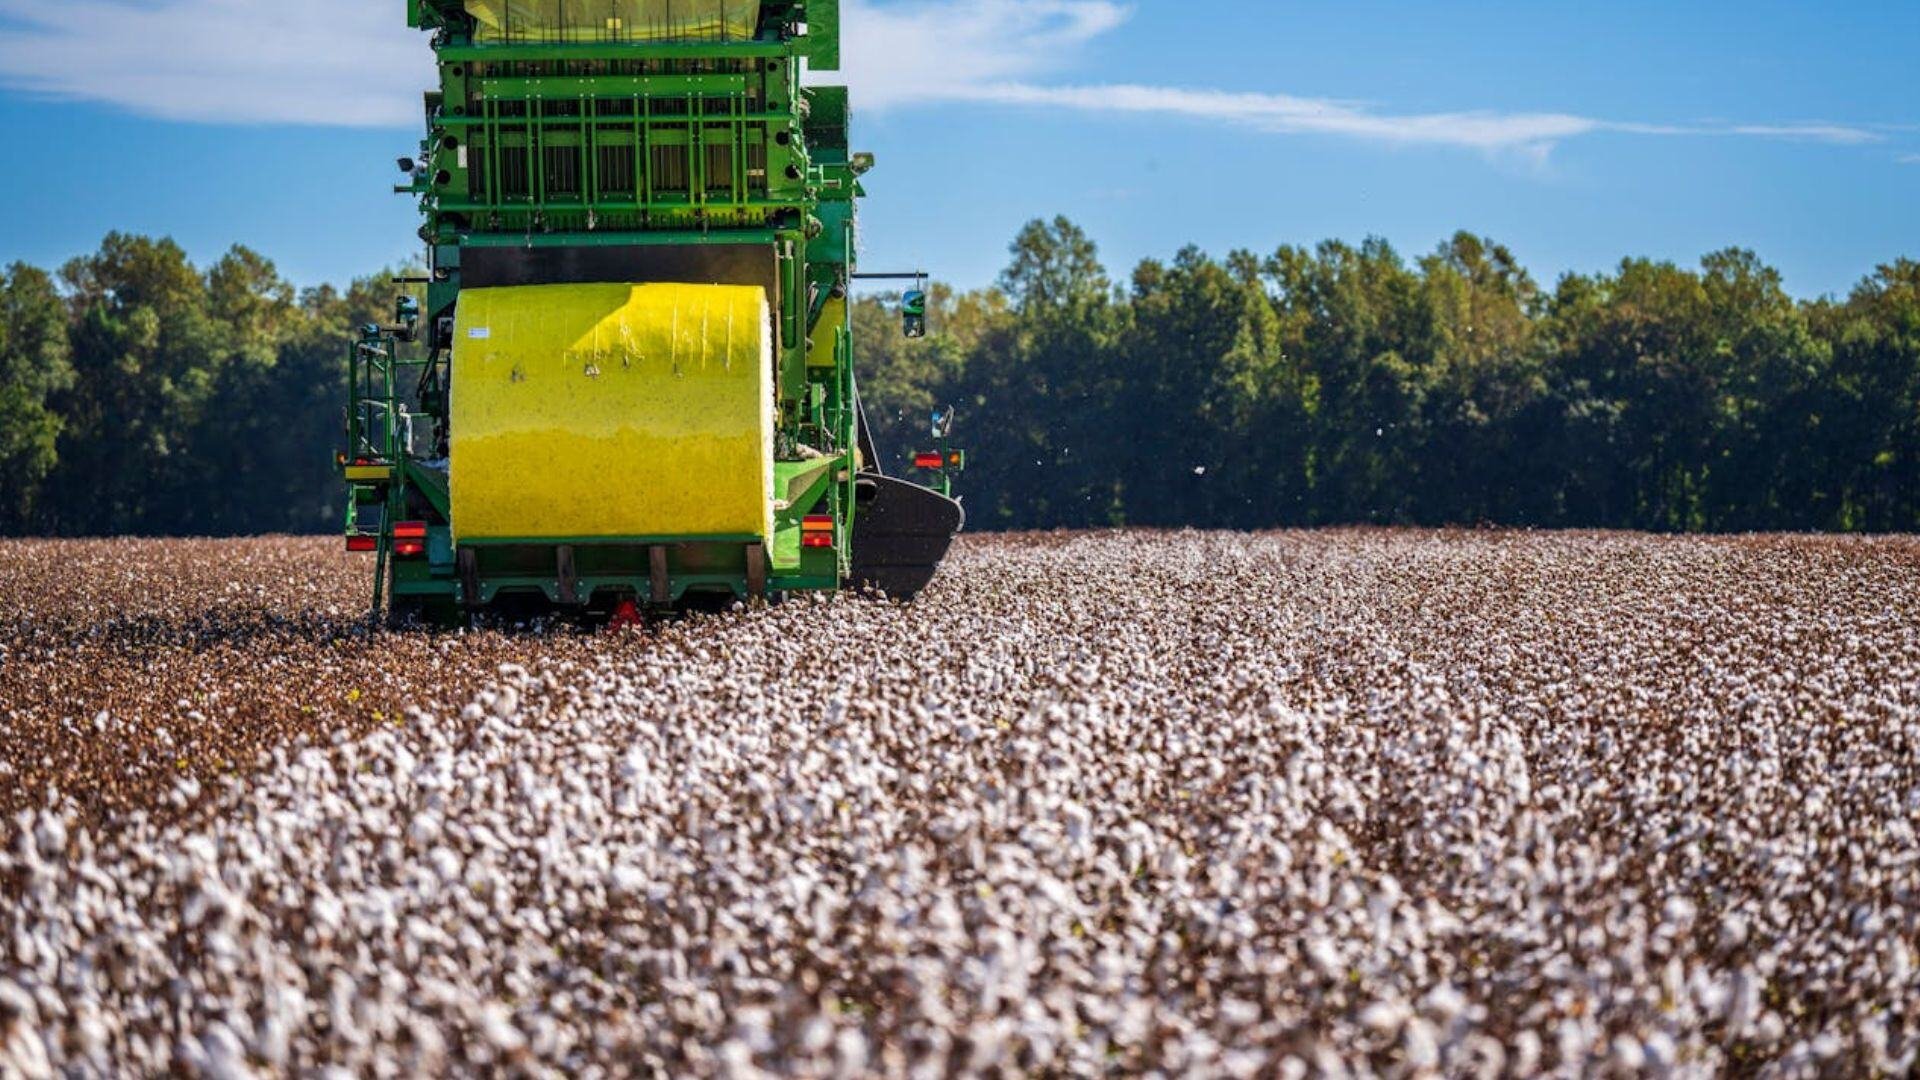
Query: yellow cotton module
(636, 412)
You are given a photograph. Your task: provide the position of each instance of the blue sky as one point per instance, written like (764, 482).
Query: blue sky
(1574, 132)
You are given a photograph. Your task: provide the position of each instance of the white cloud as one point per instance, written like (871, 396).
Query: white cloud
(354, 62)
(1910, 159)
(346, 62)
(1808, 132)
(1000, 50)
(1288, 115)
(941, 50)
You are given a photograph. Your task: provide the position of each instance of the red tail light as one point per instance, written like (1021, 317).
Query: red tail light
(816, 531)
(928, 461)
(410, 530)
(362, 542)
(409, 549)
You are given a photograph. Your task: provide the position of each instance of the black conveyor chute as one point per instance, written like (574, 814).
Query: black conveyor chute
(901, 532)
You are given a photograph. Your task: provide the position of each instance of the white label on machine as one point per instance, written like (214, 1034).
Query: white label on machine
(479, 333)
(463, 155)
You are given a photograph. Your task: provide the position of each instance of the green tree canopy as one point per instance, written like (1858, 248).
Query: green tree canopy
(34, 367)
(1330, 384)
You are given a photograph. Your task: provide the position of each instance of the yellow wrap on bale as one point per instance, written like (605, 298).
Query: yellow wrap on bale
(561, 21)
(634, 412)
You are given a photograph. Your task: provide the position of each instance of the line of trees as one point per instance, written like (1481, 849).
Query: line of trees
(140, 394)
(1348, 385)
(144, 395)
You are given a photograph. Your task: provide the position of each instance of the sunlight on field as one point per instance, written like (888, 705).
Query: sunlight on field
(1191, 802)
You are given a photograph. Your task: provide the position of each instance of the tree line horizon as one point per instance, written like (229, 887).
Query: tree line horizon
(1332, 385)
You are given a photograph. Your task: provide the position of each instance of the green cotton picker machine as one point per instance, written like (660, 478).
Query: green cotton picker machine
(626, 379)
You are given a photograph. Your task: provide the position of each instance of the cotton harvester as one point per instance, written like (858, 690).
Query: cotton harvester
(626, 378)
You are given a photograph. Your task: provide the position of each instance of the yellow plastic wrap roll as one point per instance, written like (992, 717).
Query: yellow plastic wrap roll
(559, 21)
(612, 411)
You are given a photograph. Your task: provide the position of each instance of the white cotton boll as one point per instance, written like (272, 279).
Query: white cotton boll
(506, 703)
(50, 835)
(271, 1044)
(1420, 1042)
(1678, 912)
(850, 1052)
(1078, 822)
(17, 1007)
(1626, 1054)
(497, 1028)
(1385, 1017)
(1743, 1007)
(816, 1034)
(424, 830)
(327, 913)
(1661, 1053)
(223, 1055)
(186, 792)
(1325, 957)
(1733, 931)
(1527, 1048)
(428, 1046)
(626, 881)
(446, 865)
(1443, 1002)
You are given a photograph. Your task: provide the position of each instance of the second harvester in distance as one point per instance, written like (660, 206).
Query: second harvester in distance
(631, 378)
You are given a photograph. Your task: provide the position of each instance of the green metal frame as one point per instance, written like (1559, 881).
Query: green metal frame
(621, 143)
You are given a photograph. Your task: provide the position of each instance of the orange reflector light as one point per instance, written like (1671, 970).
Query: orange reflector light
(359, 542)
(816, 523)
(953, 458)
(817, 540)
(410, 530)
(928, 461)
(409, 549)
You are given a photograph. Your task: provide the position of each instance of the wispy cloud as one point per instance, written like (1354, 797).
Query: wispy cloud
(1909, 159)
(354, 63)
(1004, 51)
(344, 62)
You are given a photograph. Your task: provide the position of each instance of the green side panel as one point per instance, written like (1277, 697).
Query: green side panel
(831, 245)
(827, 119)
(823, 34)
(784, 554)
(431, 484)
(800, 484)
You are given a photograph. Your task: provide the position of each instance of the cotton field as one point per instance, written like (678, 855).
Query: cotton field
(1339, 803)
